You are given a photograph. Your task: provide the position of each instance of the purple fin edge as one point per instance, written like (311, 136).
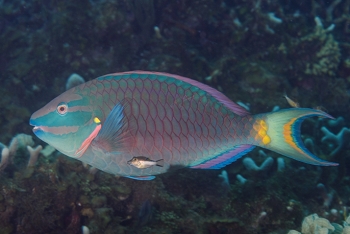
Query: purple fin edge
(235, 108)
(141, 177)
(226, 158)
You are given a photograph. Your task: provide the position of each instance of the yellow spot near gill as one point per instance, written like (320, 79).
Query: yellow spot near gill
(97, 120)
(260, 127)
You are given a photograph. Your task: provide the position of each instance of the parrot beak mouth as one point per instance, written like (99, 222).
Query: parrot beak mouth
(36, 128)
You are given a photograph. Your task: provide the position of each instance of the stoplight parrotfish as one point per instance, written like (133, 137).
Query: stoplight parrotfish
(108, 121)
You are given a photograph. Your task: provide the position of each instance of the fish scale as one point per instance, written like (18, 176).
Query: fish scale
(163, 116)
(150, 139)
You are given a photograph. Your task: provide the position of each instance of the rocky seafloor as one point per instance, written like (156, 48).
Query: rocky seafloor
(254, 51)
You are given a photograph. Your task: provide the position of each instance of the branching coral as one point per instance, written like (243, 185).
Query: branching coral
(16, 151)
(313, 224)
(327, 59)
(341, 140)
(317, 53)
(252, 50)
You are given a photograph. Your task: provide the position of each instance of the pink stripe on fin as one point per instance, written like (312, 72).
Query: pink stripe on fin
(226, 158)
(237, 109)
(86, 143)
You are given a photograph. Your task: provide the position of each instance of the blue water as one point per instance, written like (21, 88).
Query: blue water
(253, 51)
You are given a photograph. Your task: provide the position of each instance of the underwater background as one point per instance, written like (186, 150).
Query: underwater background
(254, 51)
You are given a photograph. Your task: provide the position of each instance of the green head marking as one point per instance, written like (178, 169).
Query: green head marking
(65, 122)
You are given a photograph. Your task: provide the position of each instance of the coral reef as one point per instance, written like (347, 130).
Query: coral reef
(74, 80)
(313, 224)
(254, 51)
(340, 140)
(251, 165)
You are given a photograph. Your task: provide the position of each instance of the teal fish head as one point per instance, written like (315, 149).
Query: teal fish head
(66, 123)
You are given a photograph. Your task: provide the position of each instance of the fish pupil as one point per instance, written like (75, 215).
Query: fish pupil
(62, 109)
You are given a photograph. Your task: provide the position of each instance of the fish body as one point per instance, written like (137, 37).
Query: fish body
(108, 121)
(143, 162)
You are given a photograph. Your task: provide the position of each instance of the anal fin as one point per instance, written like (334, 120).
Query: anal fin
(226, 158)
(141, 177)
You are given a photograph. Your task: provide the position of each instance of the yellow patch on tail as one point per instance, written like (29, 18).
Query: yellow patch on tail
(261, 128)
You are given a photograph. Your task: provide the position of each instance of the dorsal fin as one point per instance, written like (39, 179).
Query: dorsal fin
(235, 108)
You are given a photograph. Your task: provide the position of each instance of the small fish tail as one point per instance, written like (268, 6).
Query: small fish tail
(160, 162)
(280, 132)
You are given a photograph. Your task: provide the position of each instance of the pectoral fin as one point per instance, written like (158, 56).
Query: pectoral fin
(110, 137)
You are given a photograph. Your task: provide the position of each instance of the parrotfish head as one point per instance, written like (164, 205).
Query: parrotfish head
(65, 123)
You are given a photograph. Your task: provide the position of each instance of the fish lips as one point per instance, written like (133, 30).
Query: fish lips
(37, 130)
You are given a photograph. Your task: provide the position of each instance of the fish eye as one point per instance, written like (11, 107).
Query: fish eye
(62, 108)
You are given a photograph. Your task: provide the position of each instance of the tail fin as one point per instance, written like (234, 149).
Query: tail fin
(160, 163)
(280, 132)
